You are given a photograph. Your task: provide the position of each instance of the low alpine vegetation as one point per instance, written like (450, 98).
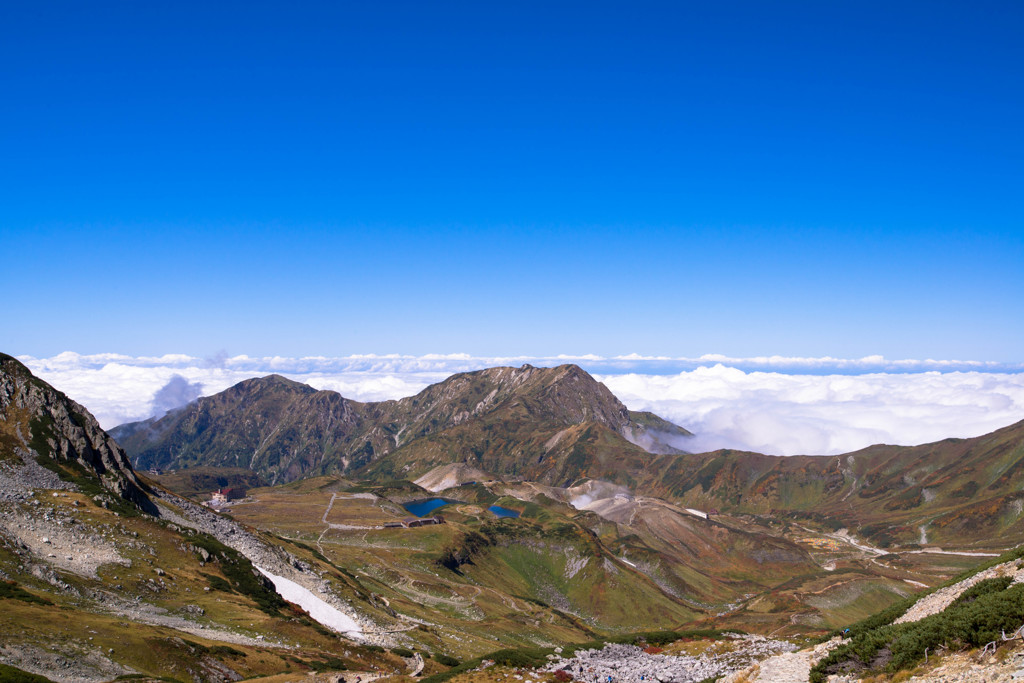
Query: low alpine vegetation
(979, 616)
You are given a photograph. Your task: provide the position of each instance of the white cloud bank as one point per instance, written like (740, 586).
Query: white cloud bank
(785, 414)
(775, 405)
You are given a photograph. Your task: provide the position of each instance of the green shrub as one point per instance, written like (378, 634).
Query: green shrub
(10, 674)
(983, 588)
(11, 590)
(446, 660)
(314, 624)
(242, 577)
(524, 658)
(453, 672)
(217, 583)
(328, 664)
(977, 617)
(223, 650)
(402, 651)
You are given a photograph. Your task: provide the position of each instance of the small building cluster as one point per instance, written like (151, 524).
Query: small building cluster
(221, 496)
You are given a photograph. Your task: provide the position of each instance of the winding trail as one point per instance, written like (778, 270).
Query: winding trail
(850, 540)
(323, 519)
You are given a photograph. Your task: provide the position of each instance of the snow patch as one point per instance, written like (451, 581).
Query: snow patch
(326, 614)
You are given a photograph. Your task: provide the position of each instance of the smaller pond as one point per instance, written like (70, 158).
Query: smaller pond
(503, 512)
(422, 508)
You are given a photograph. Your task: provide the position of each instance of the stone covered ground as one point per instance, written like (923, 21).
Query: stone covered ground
(632, 664)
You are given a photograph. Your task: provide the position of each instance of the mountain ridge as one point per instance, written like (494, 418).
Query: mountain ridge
(287, 430)
(893, 491)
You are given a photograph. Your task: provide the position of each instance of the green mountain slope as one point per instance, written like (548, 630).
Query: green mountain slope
(956, 491)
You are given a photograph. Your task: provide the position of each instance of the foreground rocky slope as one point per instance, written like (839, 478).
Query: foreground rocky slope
(543, 424)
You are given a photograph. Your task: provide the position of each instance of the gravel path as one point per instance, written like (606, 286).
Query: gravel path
(793, 667)
(788, 667)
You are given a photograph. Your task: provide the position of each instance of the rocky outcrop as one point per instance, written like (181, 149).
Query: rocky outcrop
(36, 419)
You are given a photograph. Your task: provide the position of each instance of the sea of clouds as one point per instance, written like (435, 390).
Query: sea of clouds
(771, 404)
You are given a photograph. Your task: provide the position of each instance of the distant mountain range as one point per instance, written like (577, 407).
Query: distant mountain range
(550, 425)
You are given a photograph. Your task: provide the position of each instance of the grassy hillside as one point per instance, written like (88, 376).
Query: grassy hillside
(539, 579)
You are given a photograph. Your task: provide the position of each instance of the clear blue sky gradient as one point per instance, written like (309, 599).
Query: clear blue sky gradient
(744, 178)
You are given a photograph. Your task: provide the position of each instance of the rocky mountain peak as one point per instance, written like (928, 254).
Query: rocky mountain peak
(38, 421)
(271, 383)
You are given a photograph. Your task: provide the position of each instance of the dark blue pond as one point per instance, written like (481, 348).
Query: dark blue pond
(422, 508)
(503, 512)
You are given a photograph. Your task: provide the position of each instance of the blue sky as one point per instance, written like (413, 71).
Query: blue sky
(803, 179)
